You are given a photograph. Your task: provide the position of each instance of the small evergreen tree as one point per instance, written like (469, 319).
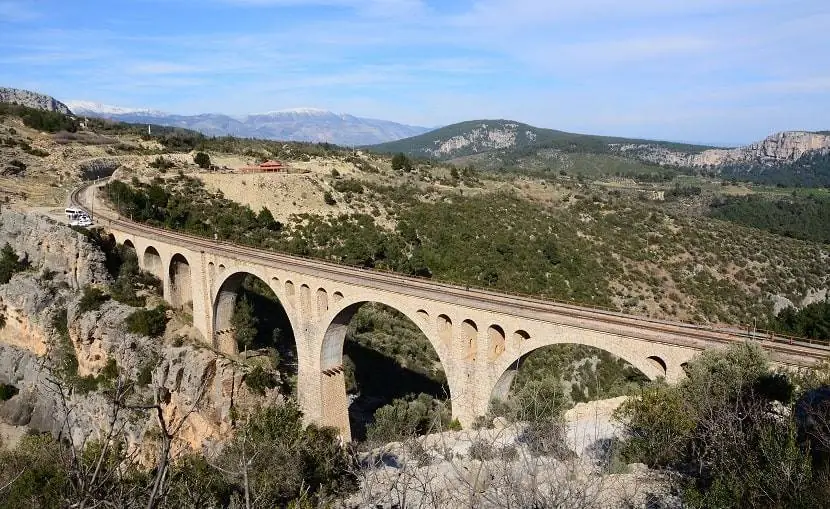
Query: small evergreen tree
(202, 159)
(244, 321)
(9, 263)
(267, 221)
(401, 162)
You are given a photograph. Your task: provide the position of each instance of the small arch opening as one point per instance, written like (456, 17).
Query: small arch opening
(520, 337)
(305, 298)
(659, 363)
(445, 329)
(469, 336)
(152, 262)
(322, 301)
(181, 292)
(290, 292)
(495, 340)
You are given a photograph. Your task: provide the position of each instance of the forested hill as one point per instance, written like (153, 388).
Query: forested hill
(510, 138)
(790, 158)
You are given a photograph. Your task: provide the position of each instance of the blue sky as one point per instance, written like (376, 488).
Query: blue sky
(696, 70)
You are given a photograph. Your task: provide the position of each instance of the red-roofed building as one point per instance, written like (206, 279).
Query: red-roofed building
(266, 167)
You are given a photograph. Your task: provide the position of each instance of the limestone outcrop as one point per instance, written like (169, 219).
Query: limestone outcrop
(36, 301)
(32, 100)
(784, 147)
(50, 246)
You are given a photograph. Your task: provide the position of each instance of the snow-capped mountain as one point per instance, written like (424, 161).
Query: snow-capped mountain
(297, 124)
(96, 109)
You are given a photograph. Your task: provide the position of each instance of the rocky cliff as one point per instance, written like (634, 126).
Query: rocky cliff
(43, 320)
(481, 139)
(32, 100)
(780, 148)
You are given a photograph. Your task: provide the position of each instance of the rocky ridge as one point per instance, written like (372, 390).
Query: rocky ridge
(783, 147)
(32, 100)
(481, 139)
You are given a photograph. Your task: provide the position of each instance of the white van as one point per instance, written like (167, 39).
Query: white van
(82, 220)
(74, 213)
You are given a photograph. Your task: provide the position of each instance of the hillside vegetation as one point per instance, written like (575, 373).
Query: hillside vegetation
(605, 250)
(521, 138)
(805, 217)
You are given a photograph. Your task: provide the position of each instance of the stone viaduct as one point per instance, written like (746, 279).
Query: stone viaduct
(480, 337)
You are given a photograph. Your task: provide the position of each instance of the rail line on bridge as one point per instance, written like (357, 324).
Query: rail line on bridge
(801, 350)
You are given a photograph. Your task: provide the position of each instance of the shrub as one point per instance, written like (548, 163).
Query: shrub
(39, 471)
(258, 380)
(145, 375)
(148, 322)
(202, 159)
(38, 152)
(401, 162)
(482, 450)
(329, 199)
(162, 164)
(92, 299)
(404, 419)
(721, 431)
(10, 264)
(286, 459)
(348, 186)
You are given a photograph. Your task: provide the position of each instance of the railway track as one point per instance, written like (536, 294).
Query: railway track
(799, 351)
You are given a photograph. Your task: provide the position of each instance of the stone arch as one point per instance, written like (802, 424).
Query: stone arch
(469, 336)
(129, 244)
(444, 330)
(423, 316)
(506, 371)
(224, 303)
(334, 402)
(322, 301)
(290, 292)
(495, 341)
(152, 262)
(658, 363)
(305, 299)
(337, 297)
(520, 336)
(181, 284)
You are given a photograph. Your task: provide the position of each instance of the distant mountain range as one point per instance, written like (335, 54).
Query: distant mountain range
(791, 158)
(799, 158)
(300, 124)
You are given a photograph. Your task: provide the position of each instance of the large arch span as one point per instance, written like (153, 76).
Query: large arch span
(335, 407)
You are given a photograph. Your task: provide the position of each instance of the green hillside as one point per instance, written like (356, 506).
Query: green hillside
(528, 139)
